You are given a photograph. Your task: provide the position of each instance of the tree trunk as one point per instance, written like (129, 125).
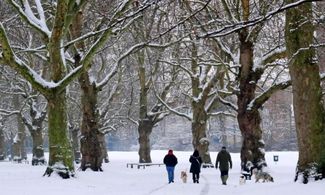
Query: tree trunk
(307, 97)
(22, 137)
(75, 144)
(145, 129)
(61, 156)
(19, 141)
(252, 151)
(60, 151)
(16, 150)
(223, 130)
(90, 146)
(2, 143)
(104, 155)
(36, 128)
(199, 127)
(38, 149)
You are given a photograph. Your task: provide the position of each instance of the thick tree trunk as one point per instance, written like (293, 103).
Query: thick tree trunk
(307, 97)
(91, 148)
(252, 151)
(199, 127)
(38, 149)
(144, 130)
(60, 150)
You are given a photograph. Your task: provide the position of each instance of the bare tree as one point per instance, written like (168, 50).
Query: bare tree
(52, 47)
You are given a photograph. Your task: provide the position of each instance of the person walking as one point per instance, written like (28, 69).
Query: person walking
(170, 161)
(224, 162)
(195, 169)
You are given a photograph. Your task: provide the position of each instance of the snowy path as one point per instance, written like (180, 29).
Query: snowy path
(206, 187)
(117, 179)
(153, 191)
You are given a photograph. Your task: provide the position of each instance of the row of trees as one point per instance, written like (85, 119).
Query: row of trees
(98, 65)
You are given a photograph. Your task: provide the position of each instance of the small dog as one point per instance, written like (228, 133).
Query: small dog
(263, 176)
(184, 176)
(242, 180)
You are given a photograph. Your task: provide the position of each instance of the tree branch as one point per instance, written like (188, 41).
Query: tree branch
(8, 57)
(261, 99)
(229, 29)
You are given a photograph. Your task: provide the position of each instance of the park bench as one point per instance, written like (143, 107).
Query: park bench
(143, 165)
(207, 165)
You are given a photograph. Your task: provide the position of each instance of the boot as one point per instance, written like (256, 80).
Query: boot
(224, 179)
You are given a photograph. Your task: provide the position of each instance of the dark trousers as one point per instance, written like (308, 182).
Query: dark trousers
(196, 177)
(224, 173)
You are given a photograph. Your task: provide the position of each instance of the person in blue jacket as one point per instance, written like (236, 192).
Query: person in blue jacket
(170, 161)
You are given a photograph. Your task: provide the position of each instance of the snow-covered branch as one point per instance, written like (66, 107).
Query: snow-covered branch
(313, 46)
(171, 109)
(189, 72)
(228, 103)
(184, 20)
(8, 112)
(274, 55)
(229, 29)
(27, 14)
(222, 113)
(262, 98)
(9, 58)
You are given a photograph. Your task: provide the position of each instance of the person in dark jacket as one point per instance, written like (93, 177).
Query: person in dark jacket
(195, 169)
(224, 162)
(170, 161)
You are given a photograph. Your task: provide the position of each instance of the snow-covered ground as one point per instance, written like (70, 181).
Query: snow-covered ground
(117, 179)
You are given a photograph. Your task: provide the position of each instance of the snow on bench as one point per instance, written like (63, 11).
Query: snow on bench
(143, 165)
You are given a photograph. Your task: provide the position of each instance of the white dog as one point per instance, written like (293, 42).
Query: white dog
(184, 176)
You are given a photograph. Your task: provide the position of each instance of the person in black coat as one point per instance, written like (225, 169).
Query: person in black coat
(170, 161)
(195, 169)
(224, 162)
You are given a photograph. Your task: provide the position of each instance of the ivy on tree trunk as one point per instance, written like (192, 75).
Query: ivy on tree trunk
(60, 150)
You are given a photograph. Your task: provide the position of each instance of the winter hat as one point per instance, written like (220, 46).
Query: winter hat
(170, 152)
(196, 153)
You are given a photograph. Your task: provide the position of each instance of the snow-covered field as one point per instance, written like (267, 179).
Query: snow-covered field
(117, 179)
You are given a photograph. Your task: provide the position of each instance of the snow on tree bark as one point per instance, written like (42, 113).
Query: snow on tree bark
(307, 94)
